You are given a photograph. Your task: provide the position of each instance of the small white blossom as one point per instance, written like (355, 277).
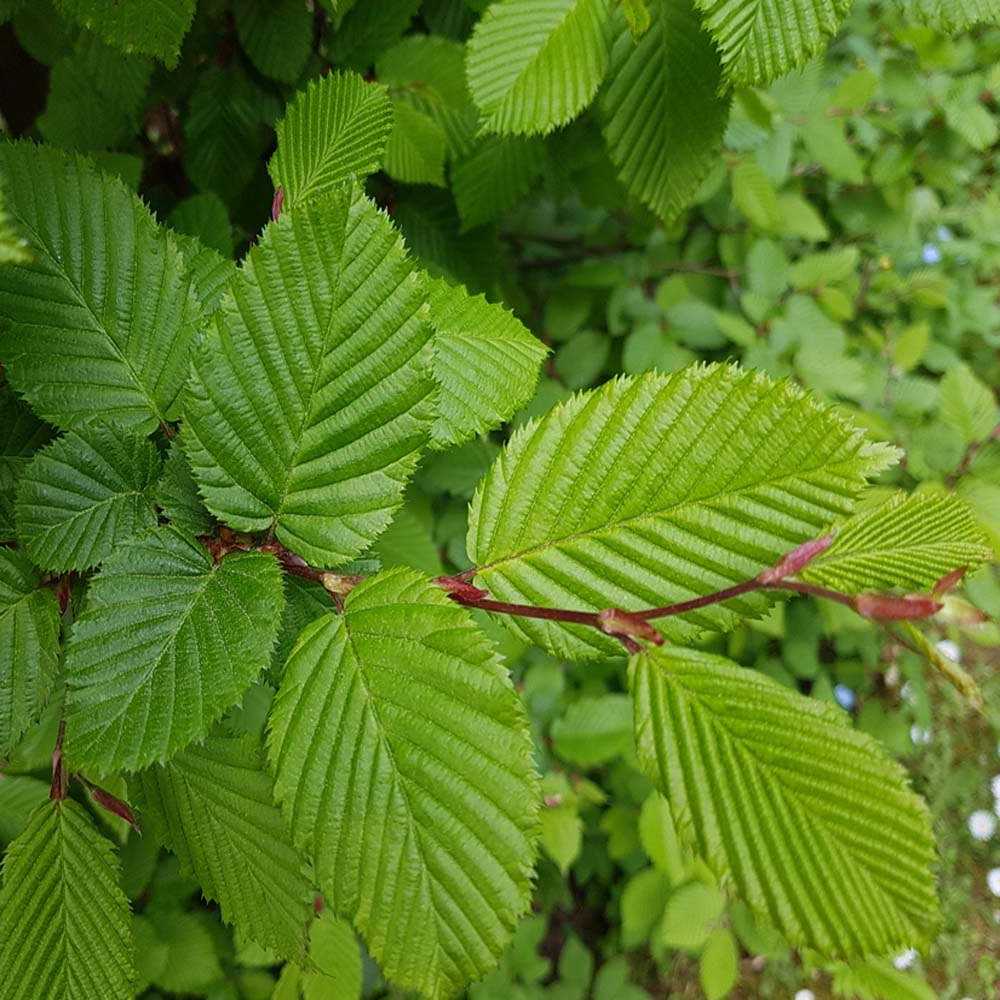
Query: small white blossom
(805, 995)
(906, 960)
(993, 880)
(919, 735)
(995, 786)
(906, 693)
(950, 650)
(982, 825)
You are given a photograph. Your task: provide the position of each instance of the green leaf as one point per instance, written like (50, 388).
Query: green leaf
(64, 921)
(19, 798)
(953, 15)
(663, 116)
(967, 404)
(166, 643)
(718, 969)
(657, 489)
(760, 40)
(210, 271)
(85, 494)
(212, 806)
(277, 35)
(754, 195)
(594, 730)
(29, 645)
(494, 176)
(689, 914)
(147, 26)
(176, 493)
(333, 949)
(485, 363)
(816, 828)
(310, 398)
(14, 248)
(190, 963)
(404, 764)
(335, 129)
(108, 293)
(205, 217)
(76, 115)
(910, 542)
(877, 979)
(533, 67)
(416, 149)
(21, 435)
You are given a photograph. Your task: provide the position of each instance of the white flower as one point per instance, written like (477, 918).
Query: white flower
(995, 786)
(982, 825)
(950, 650)
(906, 960)
(993, 880)
(805, 995)
(919, 735)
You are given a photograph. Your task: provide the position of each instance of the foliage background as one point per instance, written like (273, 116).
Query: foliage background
(848, 235)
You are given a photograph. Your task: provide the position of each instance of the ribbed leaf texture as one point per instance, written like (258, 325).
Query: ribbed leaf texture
(663, 116)
(763, 39)
(536, 64)
(417, 147)
(277, 35)
(107, 294)
(176, 493)
(29, 645)
(85, 494)
(149, 26)
(494, 176)
(335, 129)
(64, 920)
(212, 806)
(485, 363)
(210, 271)
(311, 397)
(21, 435)
(404, 764)
(167, 642)
(909, 542)
(952, 15)
(657, 489)
(808, 818)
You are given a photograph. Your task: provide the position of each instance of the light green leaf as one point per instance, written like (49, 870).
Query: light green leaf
(814, 826)
(718, 968)
(754, 195)
(210, 271)
(534, 66)
(20, 796)
(29, 645)
(416, 149)
(85, 494)
(277, 35)
(663, 116)
(212, 806)
(642, 903)
(166, 643)
(877, 979)
(190, 964)
(333, 949)
(562, 834)
(64, 921)
(657, 489)
(763, 39)
(494, 176)
(967, 404)
(910, 542)
(108, 294)
(335, 129)
(148, 26)
(404, 764)
(310, 398)
(594, 730)
(21, 435)
(953, 15)
(485, 363)
(689, 914)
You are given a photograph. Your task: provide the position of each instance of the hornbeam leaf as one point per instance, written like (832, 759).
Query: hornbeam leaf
(403, 763)
(658, 489)
(534, 66)
(277, 36)
(909, 542)
(148, 26)
(663, 116)
(311, 397)
(485, 363)
(167, 642)
(763, 39)
(64, 920)
(806, 817)
(212, 806)
(335, 129)
(29, 645)
(107, 294)
(21, 435)
(84, 495)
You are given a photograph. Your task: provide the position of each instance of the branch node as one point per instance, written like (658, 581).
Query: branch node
(460, 590)
(627, 626)
(796, 560)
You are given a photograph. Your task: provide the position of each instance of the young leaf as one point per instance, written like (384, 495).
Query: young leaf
(147, 26)
(107, 293)
(657, 489)
(21, 435)
(416, 149)
(403, 763)
(763, 39)
(663, 116)
(310, 398)
(210, 271)
(212, 806)
(493, 176)
(909, 542)
(485, 363)
(967, 404)
(166, 643)
(64, 921)
(29, 645)
(335, 129)
(816, 828)
(534, 66)
(84, 495)
(277, 35)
